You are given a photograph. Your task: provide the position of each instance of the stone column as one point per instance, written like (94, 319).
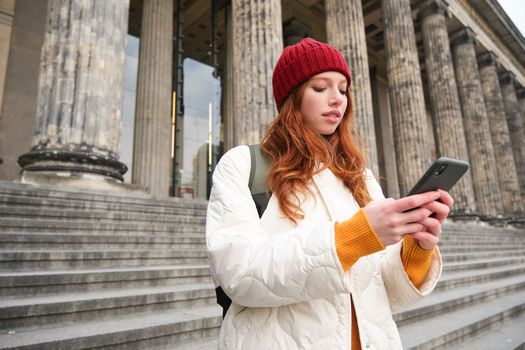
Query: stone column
(504, 160)
(345, 30)
(151, 147)
(257, 44)
(516, 123)
(477, 128)
(80, 90)
(406, 93)
(446, 110)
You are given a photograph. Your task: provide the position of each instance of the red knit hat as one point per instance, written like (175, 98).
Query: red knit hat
(300, 62)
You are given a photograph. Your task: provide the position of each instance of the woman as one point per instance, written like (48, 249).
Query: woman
(330, 257)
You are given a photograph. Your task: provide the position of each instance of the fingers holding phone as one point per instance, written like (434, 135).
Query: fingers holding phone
(441, 207)
(392, 219)
(440, 177)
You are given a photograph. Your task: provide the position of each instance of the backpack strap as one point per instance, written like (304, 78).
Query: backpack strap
(257, 184)
(260, 165)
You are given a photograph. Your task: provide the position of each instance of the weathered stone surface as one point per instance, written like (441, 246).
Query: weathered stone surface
(448, 123)
(504, 159)
(477, 130)
(79, 105)
(257, 44)
(516, 123)
(346, 31)
(406, 93)
(151, 147)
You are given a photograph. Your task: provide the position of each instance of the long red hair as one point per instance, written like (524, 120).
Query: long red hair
(297, 152)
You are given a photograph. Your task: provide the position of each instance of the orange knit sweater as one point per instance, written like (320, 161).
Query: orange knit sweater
(355, 238)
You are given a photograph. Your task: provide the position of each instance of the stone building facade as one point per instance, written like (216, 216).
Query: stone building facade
(430, 78)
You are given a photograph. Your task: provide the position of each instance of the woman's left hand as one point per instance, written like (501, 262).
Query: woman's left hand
(429, 237)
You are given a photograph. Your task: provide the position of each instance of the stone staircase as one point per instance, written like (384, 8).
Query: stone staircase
(480, 295)
(82, 270)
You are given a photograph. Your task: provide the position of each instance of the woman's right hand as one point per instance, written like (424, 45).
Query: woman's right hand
(391, 219)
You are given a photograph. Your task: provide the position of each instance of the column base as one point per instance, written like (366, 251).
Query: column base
(498, 221)
(87, 182)
(517, 222)
(464, 217)
(72, 163)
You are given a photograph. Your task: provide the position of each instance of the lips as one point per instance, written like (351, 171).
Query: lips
(332, 116)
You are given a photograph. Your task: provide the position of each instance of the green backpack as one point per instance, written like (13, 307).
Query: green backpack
(257, 184)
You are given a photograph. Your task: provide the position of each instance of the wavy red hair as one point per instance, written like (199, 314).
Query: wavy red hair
(298, 152)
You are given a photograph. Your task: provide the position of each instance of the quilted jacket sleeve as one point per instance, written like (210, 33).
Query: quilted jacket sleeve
(263, 269)
(401, 292)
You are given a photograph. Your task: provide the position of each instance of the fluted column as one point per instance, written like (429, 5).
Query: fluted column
(446, 110)
(257, 44)
(477, 128)
(80, 90)
(406, 93)
(516, 123)
(345, 29)
(151, 147)
(504, 160)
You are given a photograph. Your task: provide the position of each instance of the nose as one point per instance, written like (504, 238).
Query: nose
(336, 98)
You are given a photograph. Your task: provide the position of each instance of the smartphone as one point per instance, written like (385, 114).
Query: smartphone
(442, 174)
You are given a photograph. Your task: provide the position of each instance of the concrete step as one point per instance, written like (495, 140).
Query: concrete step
(35, 213)
(202, 344)
(507, 235)
(441, 301)
(457, 279)
(13, 224)
(467, 248)
(13, 193)
(460, 230)
(471, 256)
(18, 312)
(170, 206)
(40, 261)
(504, 335)
(51, 241)
(51, 281)
(481, 241)
(482, 263)
(459, 324)
(137, 331)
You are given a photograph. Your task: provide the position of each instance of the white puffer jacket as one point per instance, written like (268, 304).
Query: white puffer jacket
(288, 288)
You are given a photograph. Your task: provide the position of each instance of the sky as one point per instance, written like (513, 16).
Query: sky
(515, 9)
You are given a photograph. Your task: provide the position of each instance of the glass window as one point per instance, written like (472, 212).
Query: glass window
(201, 129)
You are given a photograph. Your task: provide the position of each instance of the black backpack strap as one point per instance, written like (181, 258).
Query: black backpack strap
(223, 300)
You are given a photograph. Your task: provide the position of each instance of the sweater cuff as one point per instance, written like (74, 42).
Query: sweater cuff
(355, 238)
(416, 260)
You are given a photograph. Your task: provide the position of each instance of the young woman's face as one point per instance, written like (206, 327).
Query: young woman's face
(324, 101)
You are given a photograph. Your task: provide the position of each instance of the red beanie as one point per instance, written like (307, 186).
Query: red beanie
(300, 62)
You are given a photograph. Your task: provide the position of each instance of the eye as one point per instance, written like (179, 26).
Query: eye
(343, 92)
(319, 89)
